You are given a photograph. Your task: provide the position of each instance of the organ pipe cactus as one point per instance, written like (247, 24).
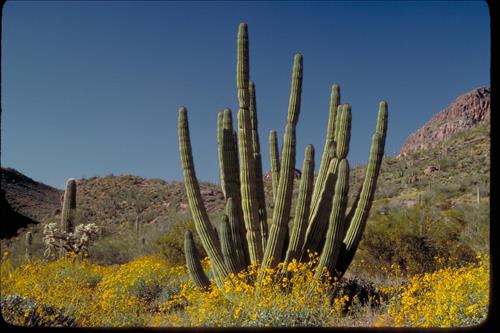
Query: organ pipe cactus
(275, 161)
(194, 267)
(321, 221)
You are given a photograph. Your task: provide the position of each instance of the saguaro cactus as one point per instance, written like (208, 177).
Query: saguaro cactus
(321, 221)
(28, 240)
(69, 207)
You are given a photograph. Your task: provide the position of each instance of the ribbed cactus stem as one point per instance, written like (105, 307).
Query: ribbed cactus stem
(242, 67)
(28, 240)
(237, 234)
(357, 217)
(329, 141)
(318, 218)
(249, 201)
(227, 245)
(321, 208)
(229, 164)
(220, 129)
(259, 184)
(275, 161)
(232, 182)
(333, 241)
(343, 132)
(295, 91)
(281, 213)
(195, 270)
(69, 206)
(302, 207)
(203, 226)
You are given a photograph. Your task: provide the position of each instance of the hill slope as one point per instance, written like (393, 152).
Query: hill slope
(466, 112)
(25, 201)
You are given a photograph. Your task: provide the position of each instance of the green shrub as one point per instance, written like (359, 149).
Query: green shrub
(171, 244)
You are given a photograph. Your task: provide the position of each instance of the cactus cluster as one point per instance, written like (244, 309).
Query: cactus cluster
(322, 222)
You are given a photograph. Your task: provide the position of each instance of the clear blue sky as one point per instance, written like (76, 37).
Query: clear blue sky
(93, 88)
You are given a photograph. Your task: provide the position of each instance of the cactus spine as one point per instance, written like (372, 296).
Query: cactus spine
(195, 269)
(321, 223)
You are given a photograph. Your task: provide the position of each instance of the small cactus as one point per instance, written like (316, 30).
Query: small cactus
(28, 240)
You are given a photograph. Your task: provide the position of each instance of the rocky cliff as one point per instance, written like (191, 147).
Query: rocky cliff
(466, 112)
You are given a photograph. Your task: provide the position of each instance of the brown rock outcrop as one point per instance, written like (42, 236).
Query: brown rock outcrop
(466, 112)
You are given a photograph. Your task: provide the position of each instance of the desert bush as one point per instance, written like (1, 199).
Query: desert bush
(119, 248)
(449, 297)
(94, 295)
(171, 244)
(26, 312)
(475, 220)
(286, 298)
(412, 238)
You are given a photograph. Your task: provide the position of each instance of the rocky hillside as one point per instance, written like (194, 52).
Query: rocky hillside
(25, 201)
(121, 199)
(466, 112)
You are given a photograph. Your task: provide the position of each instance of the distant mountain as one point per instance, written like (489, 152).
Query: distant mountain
(467, 111)
(25, 201)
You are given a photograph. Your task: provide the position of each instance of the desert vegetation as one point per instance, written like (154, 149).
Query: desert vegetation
(400, 242)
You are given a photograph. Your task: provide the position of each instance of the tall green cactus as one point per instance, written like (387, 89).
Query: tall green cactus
(283, 204)
(200, 216)
(259, 184)
(249, 201)
(227, 246)
(69, 207)
(275, 161)
(321, 222)
(302, 208)
(329, 140)
(195, 270)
